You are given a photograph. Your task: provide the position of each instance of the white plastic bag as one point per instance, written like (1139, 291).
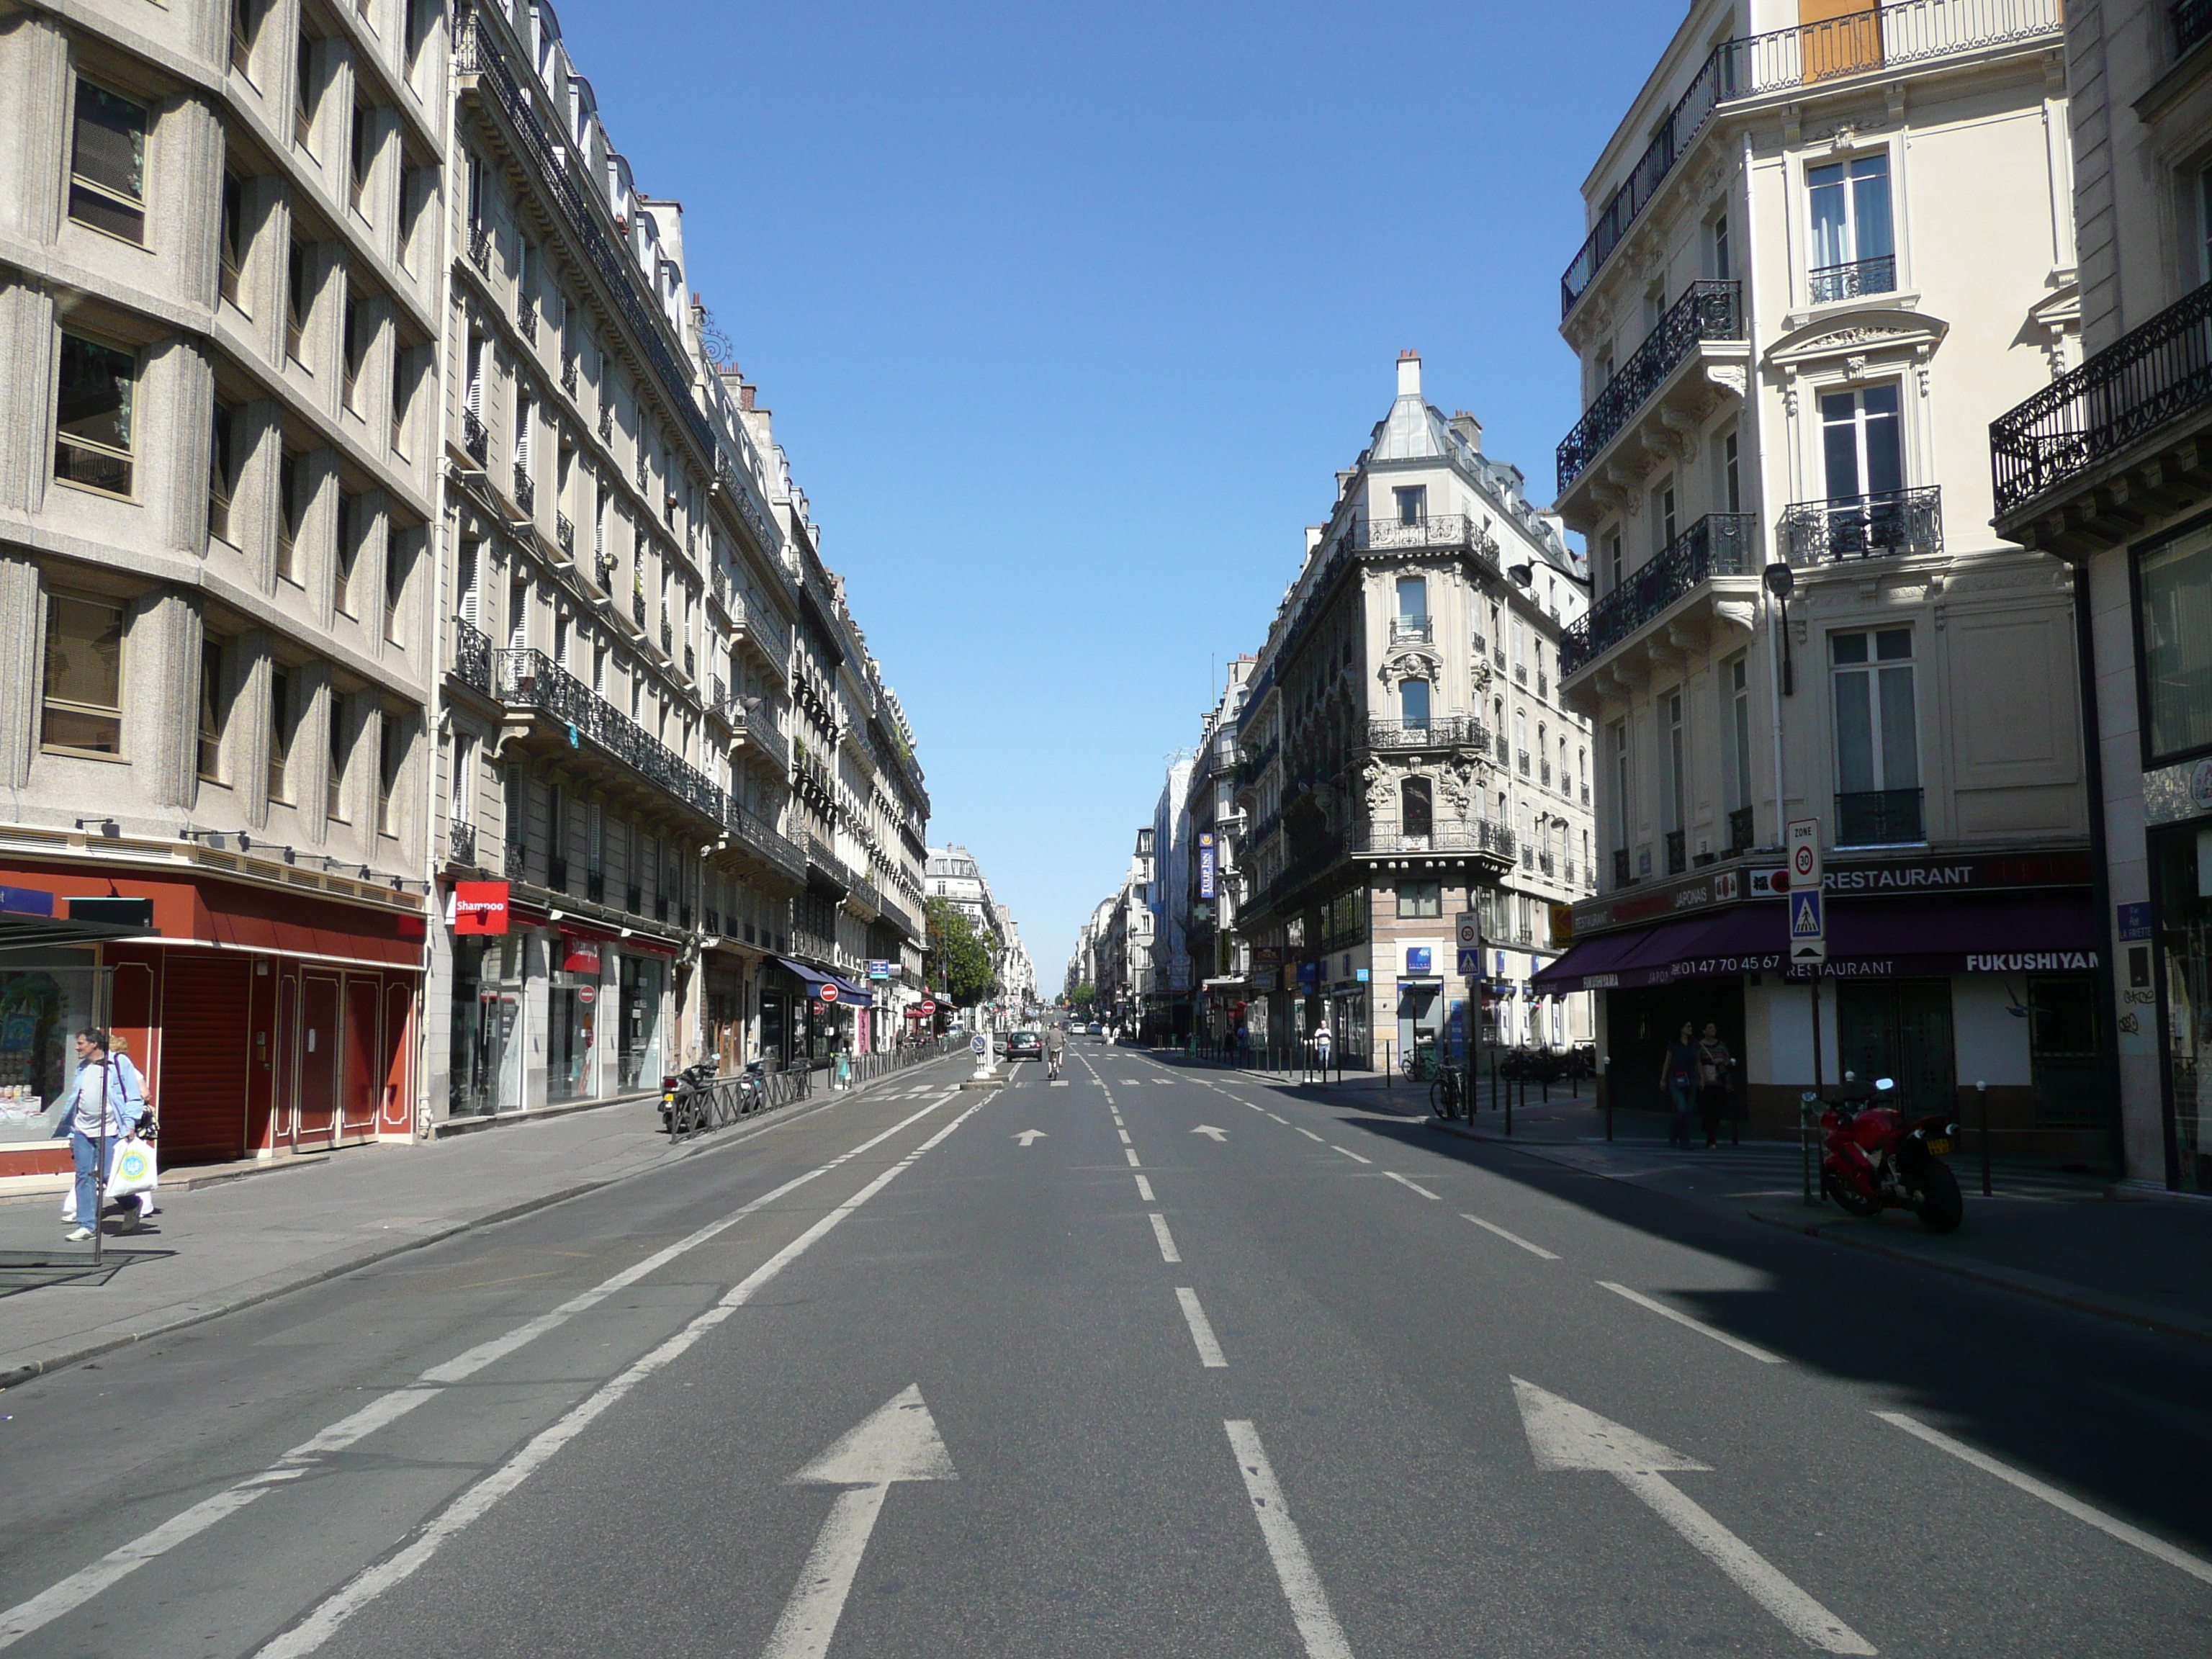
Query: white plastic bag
(133, 1169)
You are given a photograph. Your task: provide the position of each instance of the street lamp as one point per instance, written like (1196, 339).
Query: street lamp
(1780, 580)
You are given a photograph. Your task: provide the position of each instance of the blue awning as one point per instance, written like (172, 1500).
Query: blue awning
(849, 993)
(815, 979)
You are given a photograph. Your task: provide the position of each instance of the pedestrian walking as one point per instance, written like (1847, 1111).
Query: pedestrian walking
(1678, 1077)
(1715, 1083)
(1321, 1042)
(103, 1103)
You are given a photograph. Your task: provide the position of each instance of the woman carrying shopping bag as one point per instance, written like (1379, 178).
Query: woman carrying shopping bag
(103, 1103)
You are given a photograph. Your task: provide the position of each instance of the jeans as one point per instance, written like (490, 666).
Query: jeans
(89, 1181)
(1685, 1101)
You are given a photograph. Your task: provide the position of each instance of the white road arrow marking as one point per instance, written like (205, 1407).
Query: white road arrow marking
(1219, 1135)
(899, 1443)
(1564, 1436)
(1028, 1137)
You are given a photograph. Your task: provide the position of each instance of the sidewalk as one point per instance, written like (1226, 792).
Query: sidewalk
(214, 1249)
(2083, 1242)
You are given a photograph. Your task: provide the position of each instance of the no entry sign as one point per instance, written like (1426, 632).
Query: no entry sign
(828, 993)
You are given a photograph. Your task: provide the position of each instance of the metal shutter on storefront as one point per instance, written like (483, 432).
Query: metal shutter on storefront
(202, 1088)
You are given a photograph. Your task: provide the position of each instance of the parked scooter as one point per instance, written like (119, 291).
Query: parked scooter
(1874, 1159)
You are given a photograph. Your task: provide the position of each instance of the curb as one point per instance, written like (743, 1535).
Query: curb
(1995, 1277)
(29, 1370)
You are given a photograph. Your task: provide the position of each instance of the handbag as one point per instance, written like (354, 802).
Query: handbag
(134, 1169)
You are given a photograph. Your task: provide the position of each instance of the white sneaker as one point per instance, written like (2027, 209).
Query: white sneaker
(76, 1236)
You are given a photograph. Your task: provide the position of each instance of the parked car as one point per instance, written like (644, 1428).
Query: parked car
(1024, 1045)
(1096, 1029)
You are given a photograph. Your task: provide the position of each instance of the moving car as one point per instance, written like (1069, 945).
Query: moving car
(1096, 1029)
(1024, 1045)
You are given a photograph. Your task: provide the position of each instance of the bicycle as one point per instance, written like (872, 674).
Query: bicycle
(1446, 1096)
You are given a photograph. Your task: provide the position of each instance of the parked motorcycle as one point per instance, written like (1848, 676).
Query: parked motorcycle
(684, 1084)
(1873, 1158)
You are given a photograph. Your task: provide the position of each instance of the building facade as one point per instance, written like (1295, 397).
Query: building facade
(1220, 991)
(1800, 304)
(2104, 468)
(219, 269)
(1406, 756)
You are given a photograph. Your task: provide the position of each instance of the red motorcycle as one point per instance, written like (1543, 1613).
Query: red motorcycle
(1874, 1159)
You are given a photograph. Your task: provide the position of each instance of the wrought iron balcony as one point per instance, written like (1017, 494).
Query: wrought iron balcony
(637, 607)
(461, 843)
(1879, 817)
(517, 865)
(1741, 832)
(526, 322)
(568, 373)
(605, 565)
(667, 635)
(475, 439)
(606, 420)
(1412, 630)
(1718, 545)
(2192, 22)
(1477, 837)
(1893, 523)
(471, 656)
(526, 487)
(564, 533)
(2151, 377)
(1444, 530)
(1439, 731)
(1830, 283)
(1708, 311)
(480, 246)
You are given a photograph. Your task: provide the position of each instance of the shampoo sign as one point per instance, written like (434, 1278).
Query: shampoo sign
(479, 906)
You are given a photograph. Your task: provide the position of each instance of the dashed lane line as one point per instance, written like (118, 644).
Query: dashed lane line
(1167, 1252)
(1415, 1185)
(1130, 1153)
(1510, 1238)
(1201, 1331)
(1349, 1153)
(1144, 1190)
(1697, 1325)
(1307, 1133)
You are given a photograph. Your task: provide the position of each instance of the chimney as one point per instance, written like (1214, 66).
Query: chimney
(1344, 483)
(1467, 427)
(1313, 537)
(745, 395)
(1409, 374)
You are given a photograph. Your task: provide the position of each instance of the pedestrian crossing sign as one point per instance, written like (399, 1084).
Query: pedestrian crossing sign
(1809, 931)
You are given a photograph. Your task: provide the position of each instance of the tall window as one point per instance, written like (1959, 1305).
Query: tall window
(93, 416)
(2174, 618)
(303, 92)
(391, 757)
(295, 301)
(1413, 599)
(360, 150)
(287, 517)
(1416, 808)
(1624, 814)
(1613, 561)
(400, 384)
(1877, 739)
(518, 615)
(468, 581)
(1412, 501)
(234, 233)
(1675, 791)
(1663, 515)
(398, 565)
(349, 552)
(221, 472)
(83, 710)
(341, 754)
(1862, 441)
(1735, 696)
(1731, 474)
(354, 329)
(281, 717)
(245, 25)
(464, 779)
(1723, 256)
(211, 710)
(1852, 249)
(107, 163)
(1413, 702)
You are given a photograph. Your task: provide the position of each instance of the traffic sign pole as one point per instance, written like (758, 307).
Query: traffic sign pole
(1469, 931)
(1803, 846)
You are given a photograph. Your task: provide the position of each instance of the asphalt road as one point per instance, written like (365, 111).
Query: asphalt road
(1203, 1369)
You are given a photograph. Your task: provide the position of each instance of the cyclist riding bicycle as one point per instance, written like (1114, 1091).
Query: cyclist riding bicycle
(1055, 1046)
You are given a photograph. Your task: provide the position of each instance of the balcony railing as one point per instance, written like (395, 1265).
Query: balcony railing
(1708, 311)
(1878, 817)
(1480, 838)
(531, 679)
(1741, 832)
(1833, 283)
(2192, 22)
(568, 373)
(1412, 630)
(1879, 526)
(1439, 731)
(2149, 376)
(471, 656)
(475, 439)
(526, 487)
(461, 843)
(1900, 32)
(480, 246)
(1446, 529)
(1718, 545)
(564, 533)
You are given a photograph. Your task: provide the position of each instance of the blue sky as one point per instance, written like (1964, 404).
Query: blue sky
(1068, 315)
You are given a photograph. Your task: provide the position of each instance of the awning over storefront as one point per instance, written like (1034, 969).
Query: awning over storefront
(814, 979)
(1872, 938)
(851, 995)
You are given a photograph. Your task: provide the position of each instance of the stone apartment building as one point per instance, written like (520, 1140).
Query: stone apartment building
(220, 231)
(1406, 755)
(2105, 468)
(1220, 995)
(407, 595)
(1827, 244)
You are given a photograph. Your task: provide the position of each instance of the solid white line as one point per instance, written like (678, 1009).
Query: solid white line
(2194, 1566)
(1167, 1244)
(1124, 1133)
(1307, 1133)
(1758, 1579)
(1510, 1238)
(1415, 1185)
(365, 1587)
(1353, 1156)
(810, 1617)
(1317, 1627)
(1209, 1350)
(1697, 1325)
(82, 1585)
(1130, 1153)
(1144, 1190)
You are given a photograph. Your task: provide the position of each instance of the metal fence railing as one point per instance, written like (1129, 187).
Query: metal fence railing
(729, 1100)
